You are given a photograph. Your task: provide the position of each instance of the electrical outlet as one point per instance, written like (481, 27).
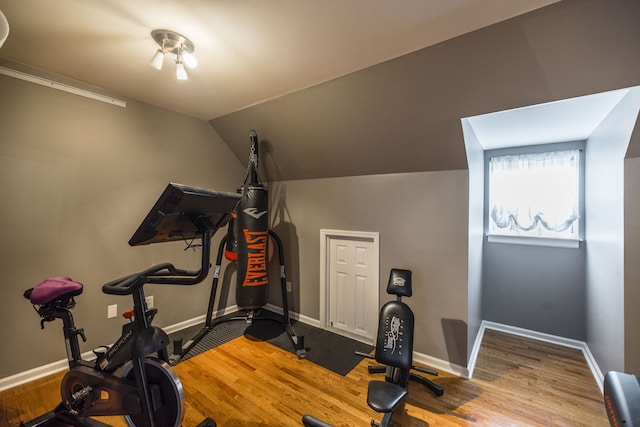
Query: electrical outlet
(112, 311)
(149, 301)
(289, 286)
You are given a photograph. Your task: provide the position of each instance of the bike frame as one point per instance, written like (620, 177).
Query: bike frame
(105, 386)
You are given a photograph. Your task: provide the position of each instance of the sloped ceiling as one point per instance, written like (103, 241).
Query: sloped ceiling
(248, 51)
(404, 115)
(337, 88)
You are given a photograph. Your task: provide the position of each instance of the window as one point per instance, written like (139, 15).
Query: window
(535, 195)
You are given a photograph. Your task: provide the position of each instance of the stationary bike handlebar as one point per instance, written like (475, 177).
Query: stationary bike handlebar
(128, 284)
(162, 274)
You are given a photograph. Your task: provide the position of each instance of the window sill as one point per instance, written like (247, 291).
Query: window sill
(535, 241)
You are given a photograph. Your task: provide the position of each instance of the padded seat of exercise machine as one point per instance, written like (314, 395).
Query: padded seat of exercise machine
(383, 396)
(53, 288)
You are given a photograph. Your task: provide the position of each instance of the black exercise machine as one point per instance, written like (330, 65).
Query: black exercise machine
(246, 243)
(125, 379)
(394, 350)
(622, 399)
(311, 421)
(393, 330)
(181, 349)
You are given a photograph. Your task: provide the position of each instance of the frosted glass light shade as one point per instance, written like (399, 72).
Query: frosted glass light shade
(157, 60)
(181, 73)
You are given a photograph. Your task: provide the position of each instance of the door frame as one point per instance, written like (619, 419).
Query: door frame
(326, 235)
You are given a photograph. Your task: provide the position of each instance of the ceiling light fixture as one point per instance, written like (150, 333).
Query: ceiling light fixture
(177, 44)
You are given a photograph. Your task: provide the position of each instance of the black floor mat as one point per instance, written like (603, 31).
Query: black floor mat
(329, 350)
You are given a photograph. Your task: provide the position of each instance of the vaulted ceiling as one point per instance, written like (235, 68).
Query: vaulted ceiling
(356, 87)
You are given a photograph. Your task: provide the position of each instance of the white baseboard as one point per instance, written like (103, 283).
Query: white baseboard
(61, 365)
(441, 365)
(39, 372)
(33, 374)
(197, 320)
(297, 316)
(438, 364)
(540, 336)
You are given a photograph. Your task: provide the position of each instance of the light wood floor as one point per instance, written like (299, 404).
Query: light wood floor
(517, 382)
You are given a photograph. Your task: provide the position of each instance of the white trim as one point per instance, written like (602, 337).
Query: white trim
(325, 236)
(441, 365)
(61, 365)
(197, 320)
(473, 357)
(534, 241)
(540, 336)
(297, 316)
(39, 372)
(433, 362)
(61, 86)
(32, 374)
(186, 324)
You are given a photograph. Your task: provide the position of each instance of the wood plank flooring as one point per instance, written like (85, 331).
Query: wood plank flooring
(517, 382)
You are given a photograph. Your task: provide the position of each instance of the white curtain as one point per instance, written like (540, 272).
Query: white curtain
(535, 194)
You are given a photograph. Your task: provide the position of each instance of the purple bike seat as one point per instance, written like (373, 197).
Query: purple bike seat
(54, 287)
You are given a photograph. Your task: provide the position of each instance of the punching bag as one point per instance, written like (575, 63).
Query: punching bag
(250, 229)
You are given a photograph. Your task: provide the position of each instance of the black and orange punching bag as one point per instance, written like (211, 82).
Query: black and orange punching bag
(250, 229)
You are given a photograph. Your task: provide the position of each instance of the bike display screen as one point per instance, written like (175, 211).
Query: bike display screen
(184, 213)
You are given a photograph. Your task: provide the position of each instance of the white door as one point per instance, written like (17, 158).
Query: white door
(352, 285)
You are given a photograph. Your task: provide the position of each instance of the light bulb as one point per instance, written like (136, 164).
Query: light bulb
(189, 60)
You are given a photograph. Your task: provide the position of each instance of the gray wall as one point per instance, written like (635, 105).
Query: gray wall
(536, 288)
(78, 176)
(605, 235)
(70, 161)
(422, 219)
(404, 115)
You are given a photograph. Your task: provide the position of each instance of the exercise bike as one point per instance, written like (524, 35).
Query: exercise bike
(132, 377)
